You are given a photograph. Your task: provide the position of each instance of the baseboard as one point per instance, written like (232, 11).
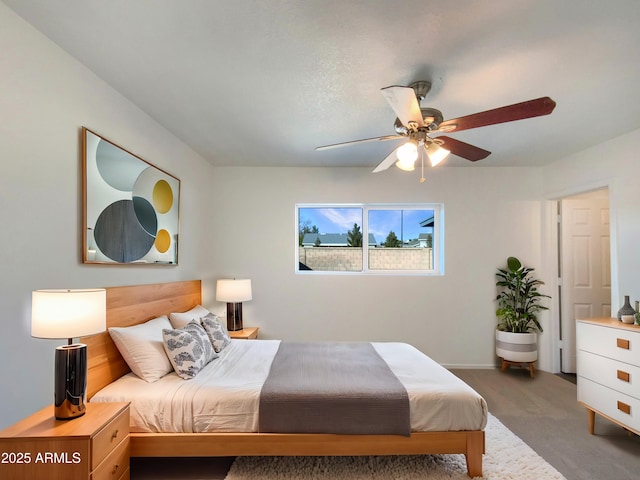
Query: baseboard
(453, 366)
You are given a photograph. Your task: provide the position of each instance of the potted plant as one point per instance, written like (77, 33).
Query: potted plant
(518, 305)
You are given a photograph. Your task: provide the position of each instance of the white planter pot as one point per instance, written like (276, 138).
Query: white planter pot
(517, 347)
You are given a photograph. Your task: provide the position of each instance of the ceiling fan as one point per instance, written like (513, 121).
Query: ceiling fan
(417, 124)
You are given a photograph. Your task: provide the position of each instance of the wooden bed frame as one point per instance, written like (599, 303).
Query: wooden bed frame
(131, 305)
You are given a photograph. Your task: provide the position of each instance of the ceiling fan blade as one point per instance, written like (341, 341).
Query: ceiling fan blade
(387, 162)
(383, 138)
(464, 150)
(510, 113)
(405, 104)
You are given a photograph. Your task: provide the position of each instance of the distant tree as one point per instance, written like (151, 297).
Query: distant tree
(305, 227)
(317, 242)
(392, 241)
(354, 236)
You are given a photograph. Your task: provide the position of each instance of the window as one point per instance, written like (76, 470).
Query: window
(369, 239)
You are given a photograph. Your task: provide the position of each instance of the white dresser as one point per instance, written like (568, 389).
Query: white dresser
(609, 371)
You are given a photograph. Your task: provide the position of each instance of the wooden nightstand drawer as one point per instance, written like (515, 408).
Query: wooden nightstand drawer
(126, 475)
(109, 437)
(115, 465)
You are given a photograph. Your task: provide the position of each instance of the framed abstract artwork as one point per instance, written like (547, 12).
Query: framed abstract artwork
(130, 208)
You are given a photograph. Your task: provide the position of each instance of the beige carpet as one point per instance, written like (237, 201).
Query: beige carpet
(507, 458)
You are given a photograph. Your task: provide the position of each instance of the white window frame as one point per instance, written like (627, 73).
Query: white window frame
(437, 245)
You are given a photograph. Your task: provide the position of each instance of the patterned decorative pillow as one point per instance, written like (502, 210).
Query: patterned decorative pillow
(216, 331)
(188, 349)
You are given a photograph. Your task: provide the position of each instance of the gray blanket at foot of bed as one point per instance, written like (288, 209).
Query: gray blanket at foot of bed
(332, 387)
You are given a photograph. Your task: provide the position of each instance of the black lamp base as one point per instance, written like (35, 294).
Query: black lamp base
(70, 389)
(234, 316)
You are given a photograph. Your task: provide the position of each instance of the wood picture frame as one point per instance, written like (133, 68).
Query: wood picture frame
(130, 207)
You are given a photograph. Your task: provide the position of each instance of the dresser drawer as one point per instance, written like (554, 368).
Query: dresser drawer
(109, 436)
(115, 465)
(620, 376)
(616, 343)
(617, 406)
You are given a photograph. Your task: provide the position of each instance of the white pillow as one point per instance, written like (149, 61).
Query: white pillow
(188, 349)
(216, 331)
(179, 320)
(142, 348)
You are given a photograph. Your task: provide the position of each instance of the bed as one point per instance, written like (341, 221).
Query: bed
(110, 376)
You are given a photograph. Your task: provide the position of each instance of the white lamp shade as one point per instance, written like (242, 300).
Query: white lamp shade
(233, 291)
(407, 155)
(407, 166)
(68, 313)
(436, 153)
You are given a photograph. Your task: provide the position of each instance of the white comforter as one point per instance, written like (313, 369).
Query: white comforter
(224, 396)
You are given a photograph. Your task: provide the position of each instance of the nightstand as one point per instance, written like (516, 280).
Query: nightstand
(94, 446)
(247, 333)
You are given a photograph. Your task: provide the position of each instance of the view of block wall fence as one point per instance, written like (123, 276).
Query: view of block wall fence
(349, 259)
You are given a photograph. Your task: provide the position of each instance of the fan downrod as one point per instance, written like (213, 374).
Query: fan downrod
(421, 88)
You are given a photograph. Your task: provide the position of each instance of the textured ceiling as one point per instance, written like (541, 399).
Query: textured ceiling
(248, 82)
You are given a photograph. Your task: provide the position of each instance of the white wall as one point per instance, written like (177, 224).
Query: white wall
(45, 98)
(613, 164)
(490, 213)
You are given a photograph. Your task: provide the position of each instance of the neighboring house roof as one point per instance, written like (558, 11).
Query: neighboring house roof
(330, 239)
(427, 222)
(421, 241)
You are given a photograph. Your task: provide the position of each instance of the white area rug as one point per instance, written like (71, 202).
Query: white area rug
(507, 458)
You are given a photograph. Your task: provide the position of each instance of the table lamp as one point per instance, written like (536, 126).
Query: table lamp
(234, 292)
(69, 314)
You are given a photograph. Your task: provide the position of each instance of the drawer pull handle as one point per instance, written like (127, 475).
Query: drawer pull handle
(624, 376)
(622, 343)
(623, 407)
(115, 435)
(115, 469)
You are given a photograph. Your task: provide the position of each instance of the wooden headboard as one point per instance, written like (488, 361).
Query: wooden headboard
(131, 305)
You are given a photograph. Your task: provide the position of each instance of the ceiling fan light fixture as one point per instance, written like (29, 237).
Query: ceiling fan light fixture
(436, 153)
(406, 165)
(407, 153)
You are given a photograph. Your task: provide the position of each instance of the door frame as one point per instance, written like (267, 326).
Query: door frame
(552, 262)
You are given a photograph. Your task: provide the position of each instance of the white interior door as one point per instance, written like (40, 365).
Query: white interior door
(585, 266)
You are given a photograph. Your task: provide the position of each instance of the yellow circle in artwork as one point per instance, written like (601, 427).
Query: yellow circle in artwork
(162, 196)
(163, 241)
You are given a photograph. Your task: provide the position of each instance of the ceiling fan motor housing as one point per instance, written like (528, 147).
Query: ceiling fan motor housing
(432, 119)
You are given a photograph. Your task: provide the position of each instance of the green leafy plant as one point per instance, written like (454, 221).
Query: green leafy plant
(519, 300)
